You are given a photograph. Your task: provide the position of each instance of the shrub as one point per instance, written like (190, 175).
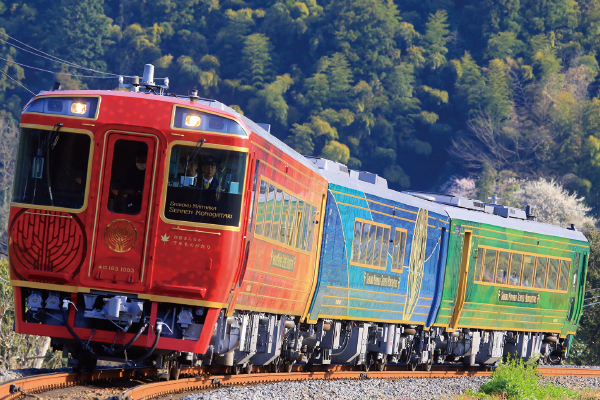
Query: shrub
(518, 380)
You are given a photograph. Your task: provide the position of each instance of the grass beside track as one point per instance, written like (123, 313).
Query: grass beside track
(515, 379)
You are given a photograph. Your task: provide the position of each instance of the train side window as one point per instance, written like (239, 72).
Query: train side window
(490, 264)
(378, 243)
(252, 217)
(540, 272)
(285, 216)
(371, 248)
(515, 269)
(479, 265)
(552, 275)
(292, 220)
(306, 225)
(276, 229)
(528, 264)
(311, 227)
(127, 177)
(384, 248)
(563, 280)
(356, 241)
(260, 208)
(502, 270)
(576, 271)
(301, 217)
(399, 249)
(269, 207)
(364, 241)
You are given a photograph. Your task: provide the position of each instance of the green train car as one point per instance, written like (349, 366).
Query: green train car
(511, 286)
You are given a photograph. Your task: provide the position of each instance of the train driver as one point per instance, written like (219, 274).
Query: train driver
(209, 169)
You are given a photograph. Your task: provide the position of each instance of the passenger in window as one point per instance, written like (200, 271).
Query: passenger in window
(190, 177)
(501, 277)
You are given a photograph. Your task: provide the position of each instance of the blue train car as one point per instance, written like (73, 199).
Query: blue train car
(382, 255)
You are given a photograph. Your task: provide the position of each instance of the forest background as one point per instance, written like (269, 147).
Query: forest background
(475, 96)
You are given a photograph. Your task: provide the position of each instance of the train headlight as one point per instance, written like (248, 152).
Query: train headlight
(79, 108)
(192, 121)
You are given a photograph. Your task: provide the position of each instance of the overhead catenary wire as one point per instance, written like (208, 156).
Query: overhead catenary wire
(54, 58)
(8, 127)
(57, 73)
(17, 82)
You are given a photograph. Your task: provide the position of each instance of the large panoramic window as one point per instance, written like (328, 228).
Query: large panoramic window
(521, 269)
(205, 185)
(52, 168)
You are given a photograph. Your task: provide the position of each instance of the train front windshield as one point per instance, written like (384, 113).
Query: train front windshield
(52, 168)
(205, 186)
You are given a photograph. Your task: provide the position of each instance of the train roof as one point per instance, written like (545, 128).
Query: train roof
(380, 191)
(513, 223)
(334, 173)
(201, 104)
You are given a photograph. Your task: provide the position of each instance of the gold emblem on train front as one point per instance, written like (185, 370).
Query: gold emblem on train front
(120, 236)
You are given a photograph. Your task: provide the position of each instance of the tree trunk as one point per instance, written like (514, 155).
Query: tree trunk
(41, 352)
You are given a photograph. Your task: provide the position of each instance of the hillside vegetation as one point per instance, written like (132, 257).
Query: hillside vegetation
(416, 91)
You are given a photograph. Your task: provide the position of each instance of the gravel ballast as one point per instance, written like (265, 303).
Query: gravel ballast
(371, 389)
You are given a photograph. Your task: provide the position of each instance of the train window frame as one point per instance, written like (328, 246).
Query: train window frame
(520, 268)
(88, 176)
(576, 265)
(482, 253)
(162, 206)
(399, 256)
(371, 238)
(487, 261)
(506, 270)
(261, 211)
(204, 111)
(540, 267)
(563, 277)
(556, 277)
(385, 246)
(299, 238)
(478, 270)
(48, 97)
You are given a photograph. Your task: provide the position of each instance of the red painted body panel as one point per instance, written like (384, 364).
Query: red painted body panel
(67, 251)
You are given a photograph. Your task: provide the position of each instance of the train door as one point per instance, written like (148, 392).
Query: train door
(123, 214)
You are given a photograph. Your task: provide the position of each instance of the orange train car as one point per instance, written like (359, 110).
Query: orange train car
(129, 231)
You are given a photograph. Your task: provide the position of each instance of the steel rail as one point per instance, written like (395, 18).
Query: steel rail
(45, 382)
(158, 389)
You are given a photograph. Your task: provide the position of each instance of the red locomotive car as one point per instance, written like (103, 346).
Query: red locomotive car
(130, 229)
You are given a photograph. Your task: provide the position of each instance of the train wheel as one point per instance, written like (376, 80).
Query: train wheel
(427, 365)
(236, 369)
(380, 365)
(174, 370)
(276, 365)
(288, 366)
(248, 368)
(87, 363)
(412, 365)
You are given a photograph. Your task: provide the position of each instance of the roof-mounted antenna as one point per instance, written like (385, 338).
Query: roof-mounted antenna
(147, 82)
(148, 78)
(194, 96)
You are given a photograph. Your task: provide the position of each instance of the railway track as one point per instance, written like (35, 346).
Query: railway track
(200, 378)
